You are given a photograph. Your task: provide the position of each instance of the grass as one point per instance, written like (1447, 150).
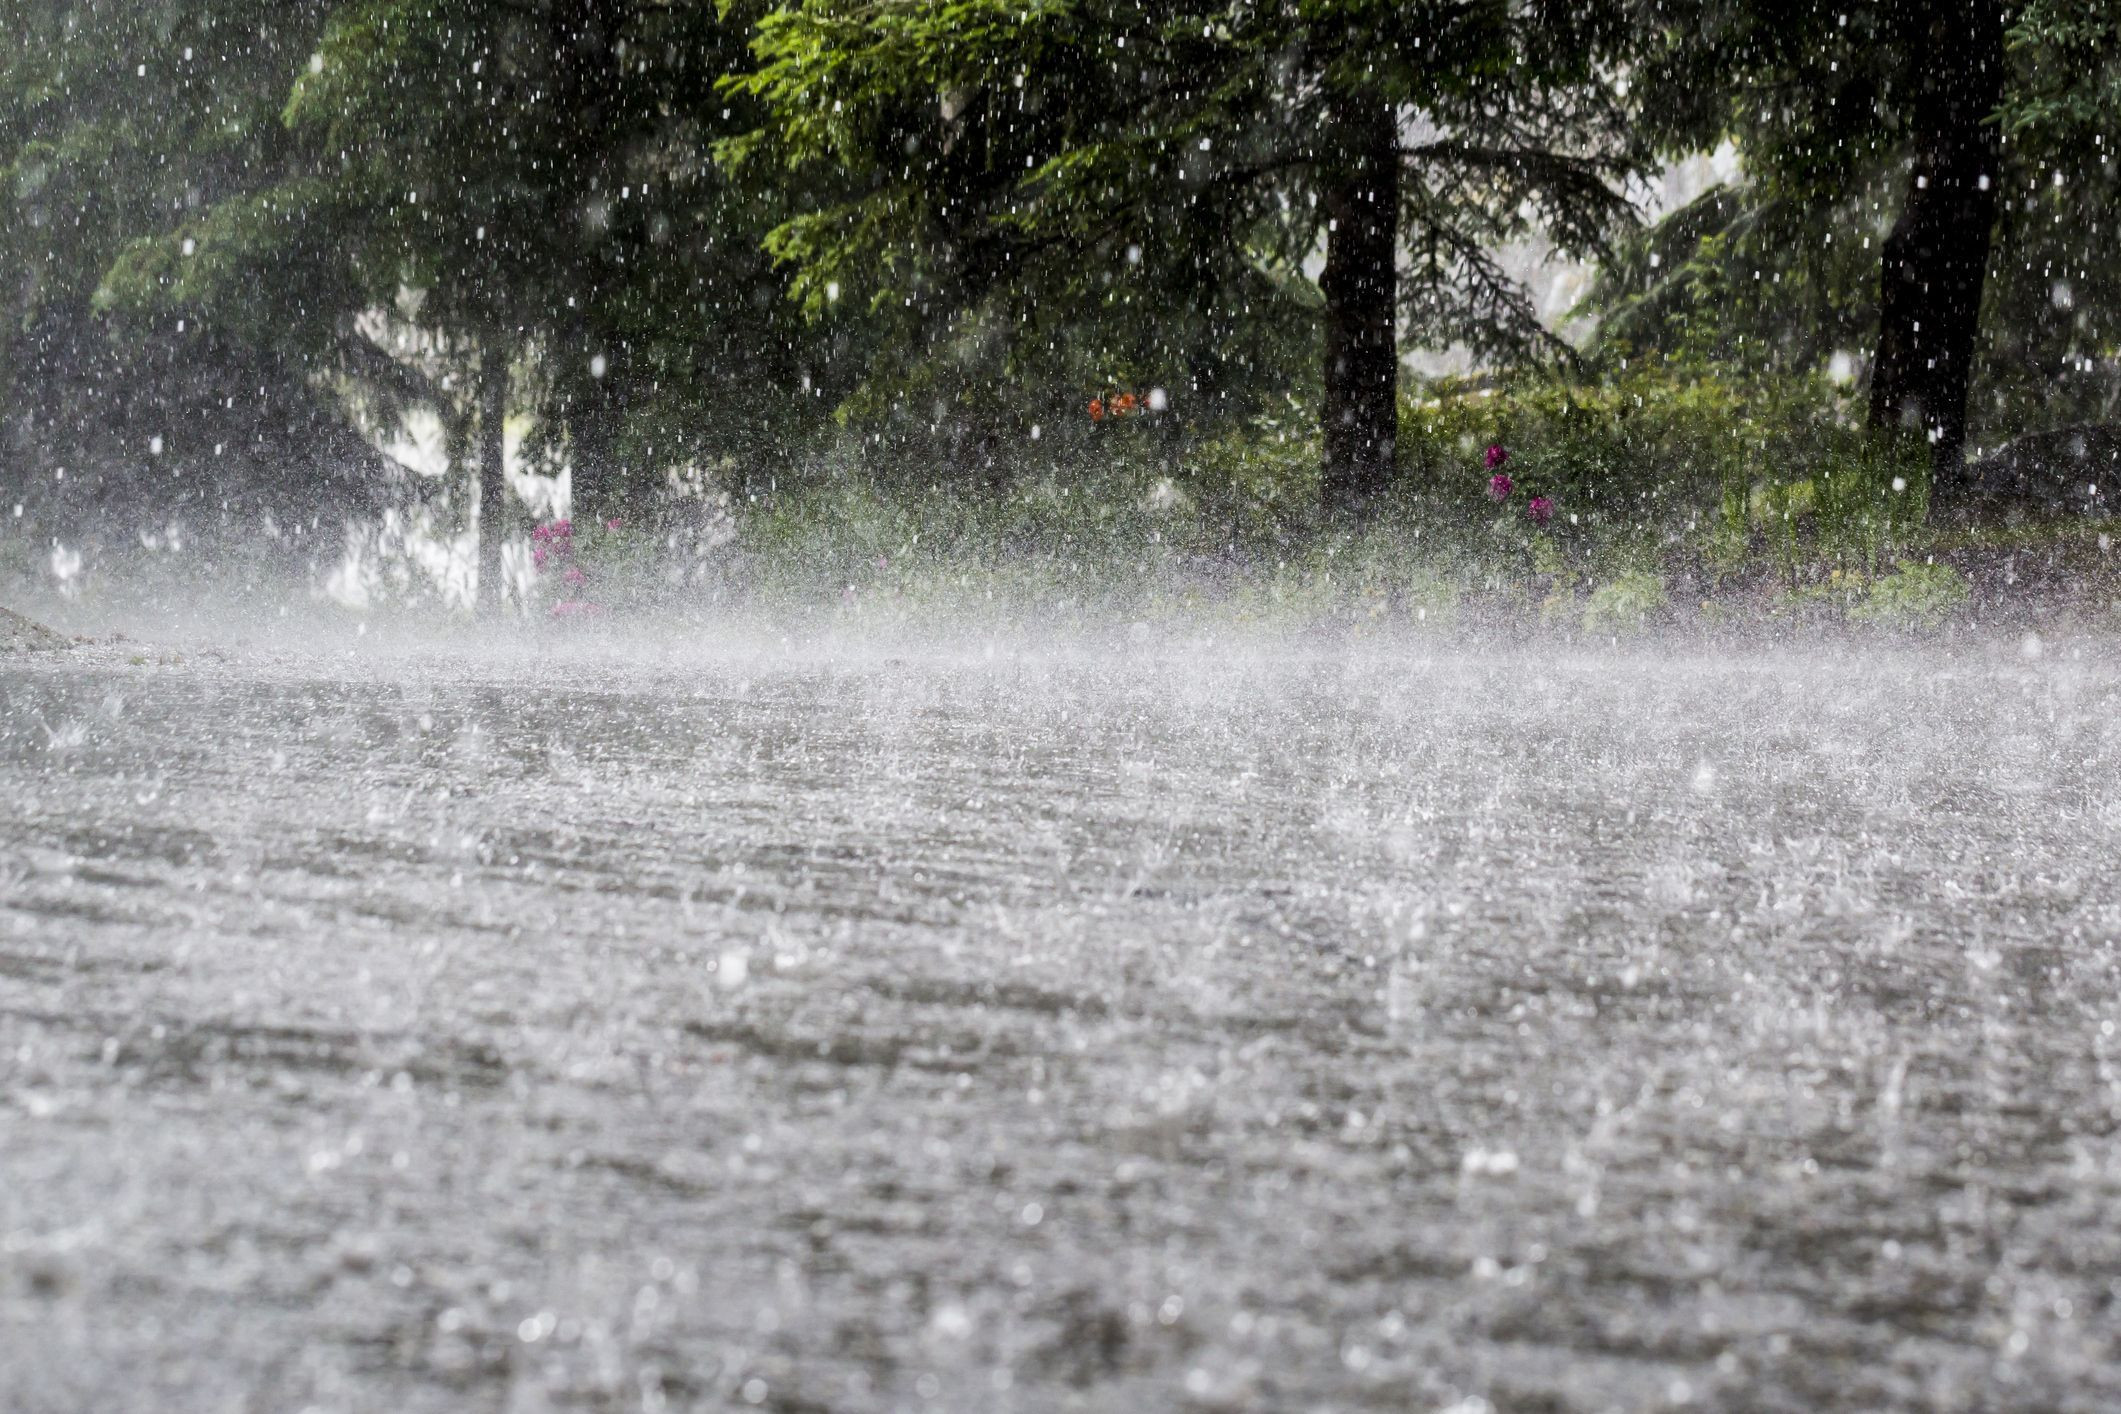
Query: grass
(1119, 549)
(1680, 504)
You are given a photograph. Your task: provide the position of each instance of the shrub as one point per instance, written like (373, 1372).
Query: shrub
(1912, 596)
(1624, 603)
(1650, 450)
(1252, 485)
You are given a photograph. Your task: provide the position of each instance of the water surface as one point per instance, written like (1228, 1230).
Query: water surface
(1150, 1027)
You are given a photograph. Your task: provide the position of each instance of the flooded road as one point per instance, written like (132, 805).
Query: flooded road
(1134, 1030)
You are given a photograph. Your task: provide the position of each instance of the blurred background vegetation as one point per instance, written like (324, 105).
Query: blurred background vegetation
(1794, 307)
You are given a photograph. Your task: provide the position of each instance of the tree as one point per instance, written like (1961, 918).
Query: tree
(2052, 333)
(1121, 159)
(1935, 259)
(119, 123)
(523, 192)
(1873, 124)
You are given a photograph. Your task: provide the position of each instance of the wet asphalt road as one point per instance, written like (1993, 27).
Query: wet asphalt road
(1162, 1028)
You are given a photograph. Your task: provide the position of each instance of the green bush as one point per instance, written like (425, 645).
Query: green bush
(1625, 603)
(1659, 474)
(1652, 450)
(1253, 485)
(1912, 596)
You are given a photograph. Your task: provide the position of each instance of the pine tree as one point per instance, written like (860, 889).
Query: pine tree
(120, 123)
(1871, 124)
(524, 192)
(1129, 159)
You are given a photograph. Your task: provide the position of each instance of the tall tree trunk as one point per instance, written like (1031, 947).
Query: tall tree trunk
(593, 412)
(1936, 257)
(493, 471)
(1360, 416)
(592, 437)
(586, 73)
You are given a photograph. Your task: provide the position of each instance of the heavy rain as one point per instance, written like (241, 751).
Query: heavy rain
(1039, 705)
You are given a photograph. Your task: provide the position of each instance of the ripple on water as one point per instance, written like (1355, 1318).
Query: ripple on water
(1257, 1030)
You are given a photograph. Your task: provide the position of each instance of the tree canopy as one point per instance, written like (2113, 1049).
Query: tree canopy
(1910, 174)
(1165, 181)
(655, 234)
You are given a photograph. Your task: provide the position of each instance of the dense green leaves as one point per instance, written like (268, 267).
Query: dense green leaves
(688, 234)
(1157, 174)
(1780, 271)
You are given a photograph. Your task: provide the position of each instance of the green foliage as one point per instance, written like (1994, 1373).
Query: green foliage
(1047, 189)
(2052, 324)
(905, 241)
(1779, 271)
(2071, 50)
(1625, 604)
(96, 101)
(1260, 480)
(1913, 596)
(472, 173)
(120, 124)
(1870, 498)
(1747, 280)
(1651, 452)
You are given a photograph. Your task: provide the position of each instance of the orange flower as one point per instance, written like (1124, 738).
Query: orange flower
(1124, 404)
(1097, 409)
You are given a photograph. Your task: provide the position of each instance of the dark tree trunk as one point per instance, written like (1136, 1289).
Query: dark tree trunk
(493, 472)
(586, 73)
(594, 414)
(1936, 257)
(1359, 420)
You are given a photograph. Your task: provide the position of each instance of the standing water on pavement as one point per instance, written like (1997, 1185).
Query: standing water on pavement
(1129, 1025)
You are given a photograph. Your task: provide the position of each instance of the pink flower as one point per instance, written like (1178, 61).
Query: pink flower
(574, 609)
(537, 555)
(1540, 509)
(563, 527)
(574, 575)
(612, 524)
(1496, 456)
(1500, 486)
